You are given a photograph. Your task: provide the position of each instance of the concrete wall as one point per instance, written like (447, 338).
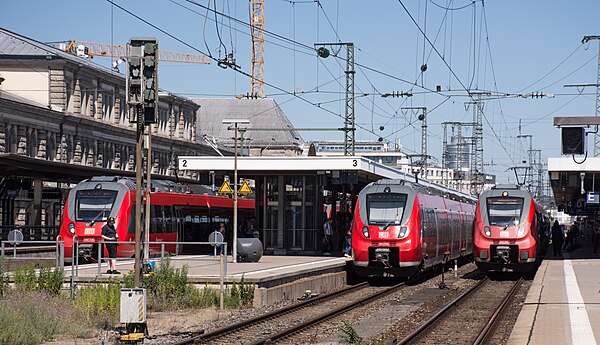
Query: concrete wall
(292, 291)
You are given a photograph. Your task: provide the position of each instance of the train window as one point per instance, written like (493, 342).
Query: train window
(385, 208)
(94, 205)
(169, 221)
(156, 219)
(131, 228)
(504, 211)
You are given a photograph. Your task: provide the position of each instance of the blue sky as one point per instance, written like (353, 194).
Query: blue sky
(506, 46)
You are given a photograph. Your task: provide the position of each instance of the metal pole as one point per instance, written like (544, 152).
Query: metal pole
(221, 283)
(235, 196)
(138, 196)
(146, 230)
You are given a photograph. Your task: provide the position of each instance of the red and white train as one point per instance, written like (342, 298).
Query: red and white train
(510, 230)
(401, 228)
(175, 216)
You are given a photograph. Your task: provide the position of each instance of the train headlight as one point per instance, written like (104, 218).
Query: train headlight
(521, 231)
(72, 228)
(365, 231)
(487, 231)
(403, 232)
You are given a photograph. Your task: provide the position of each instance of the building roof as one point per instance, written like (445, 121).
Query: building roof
(262, 113)
(13, 45)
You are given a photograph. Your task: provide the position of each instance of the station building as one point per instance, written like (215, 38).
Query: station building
(63, 118)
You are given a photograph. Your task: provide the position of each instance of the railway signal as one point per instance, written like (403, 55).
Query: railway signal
(142, 99)
(142, 77)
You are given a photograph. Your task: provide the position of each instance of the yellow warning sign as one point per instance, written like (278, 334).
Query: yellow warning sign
(225, 188)
(245, 188)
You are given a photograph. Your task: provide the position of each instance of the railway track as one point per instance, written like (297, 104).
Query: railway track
(468, 319)
(278, 325)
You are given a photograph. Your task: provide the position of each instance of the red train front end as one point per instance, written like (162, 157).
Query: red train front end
(87, 208)
(389, 243)
(508, 228)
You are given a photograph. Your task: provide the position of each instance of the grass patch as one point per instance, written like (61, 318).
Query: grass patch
(99, 304)
(36, 311)
(3, 278)
(31, 317)
(168, 288)
(348, 334)
(49, 280)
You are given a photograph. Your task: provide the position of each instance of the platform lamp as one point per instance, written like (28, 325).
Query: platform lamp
(235, 123)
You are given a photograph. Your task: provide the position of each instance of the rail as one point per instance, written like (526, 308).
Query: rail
(31, 232)
(271, 315)
(100, 257)
(484, 332)
(58, 245)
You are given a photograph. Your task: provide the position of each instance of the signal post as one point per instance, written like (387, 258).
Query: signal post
(142, 99)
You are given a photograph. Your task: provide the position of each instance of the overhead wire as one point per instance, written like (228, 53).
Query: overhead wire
(221, 44)
(203, 31)
(552, 70)
(447, 8)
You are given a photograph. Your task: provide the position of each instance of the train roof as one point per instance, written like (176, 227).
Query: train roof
(504, 190)
(426, 187)
(156, 185)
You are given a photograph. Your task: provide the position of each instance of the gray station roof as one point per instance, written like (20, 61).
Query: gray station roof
(262, 113)
(13, 45)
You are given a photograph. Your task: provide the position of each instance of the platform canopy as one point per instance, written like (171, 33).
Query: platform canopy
(366, 169)
(575, 182)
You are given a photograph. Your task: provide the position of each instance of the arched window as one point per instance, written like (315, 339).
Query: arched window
(50, 147)
(31, 143)
(10, 139)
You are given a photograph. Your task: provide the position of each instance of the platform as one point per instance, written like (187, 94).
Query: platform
(563, 304)
(275, 278)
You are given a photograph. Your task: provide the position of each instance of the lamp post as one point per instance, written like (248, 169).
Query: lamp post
(235, 123)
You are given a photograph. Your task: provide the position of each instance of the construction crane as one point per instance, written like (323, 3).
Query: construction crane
(257, 27)
(91, 49)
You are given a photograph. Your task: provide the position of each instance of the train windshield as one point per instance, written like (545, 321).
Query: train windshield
(504, 211)
(94, 205)
(385, 208)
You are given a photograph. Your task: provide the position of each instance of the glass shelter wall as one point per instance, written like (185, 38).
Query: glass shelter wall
(287, 213)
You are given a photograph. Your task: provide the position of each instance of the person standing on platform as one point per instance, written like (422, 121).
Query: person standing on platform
(557, 238)
(348, 244)
(221, 248)
(109, 233)
(327, 234)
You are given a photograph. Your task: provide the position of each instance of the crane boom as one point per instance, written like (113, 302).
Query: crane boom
(117, 51)
(257, 28)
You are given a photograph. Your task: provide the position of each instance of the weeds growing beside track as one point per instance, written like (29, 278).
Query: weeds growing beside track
(36, 309)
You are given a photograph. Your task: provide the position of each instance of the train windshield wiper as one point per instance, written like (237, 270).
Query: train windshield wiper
(93, 221)
(395, 221)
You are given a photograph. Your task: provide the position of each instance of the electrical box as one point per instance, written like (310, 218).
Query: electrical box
(133, 305)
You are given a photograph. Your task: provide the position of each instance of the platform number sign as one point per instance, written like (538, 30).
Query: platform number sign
(593, 198)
